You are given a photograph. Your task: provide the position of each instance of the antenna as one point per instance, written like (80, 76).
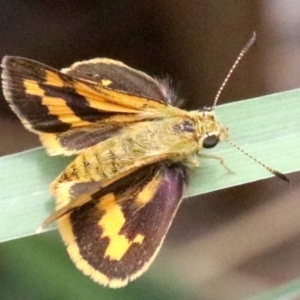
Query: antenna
(274, 172)
(240, 56)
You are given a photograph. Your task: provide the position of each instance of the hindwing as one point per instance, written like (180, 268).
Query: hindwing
(115, 236)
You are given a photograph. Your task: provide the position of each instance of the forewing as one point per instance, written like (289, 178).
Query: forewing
(60, 107)
(118, 76)
(114, 237)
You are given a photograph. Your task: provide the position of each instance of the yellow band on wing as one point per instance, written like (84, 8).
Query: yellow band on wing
(111, 224)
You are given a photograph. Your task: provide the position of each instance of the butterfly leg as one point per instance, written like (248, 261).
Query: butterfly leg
(191, 162)
(219, 158)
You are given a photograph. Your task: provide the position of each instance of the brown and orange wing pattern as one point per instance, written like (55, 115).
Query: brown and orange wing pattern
(113, 227)
(116, 235)
(88, 103)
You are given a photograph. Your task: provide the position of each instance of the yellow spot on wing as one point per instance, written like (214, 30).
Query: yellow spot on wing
(52, 144)
(106, 82)
(56, 106)
(147, 194)
(32, 88)
(111, 224)
(53, 79)
(104, 100)
(62, 193)
(138, 238)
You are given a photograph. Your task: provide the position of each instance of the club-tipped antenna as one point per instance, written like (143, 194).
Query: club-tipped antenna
(274, 172)
(240, 56)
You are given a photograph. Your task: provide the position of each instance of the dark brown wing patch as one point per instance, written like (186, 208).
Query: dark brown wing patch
(118, 76)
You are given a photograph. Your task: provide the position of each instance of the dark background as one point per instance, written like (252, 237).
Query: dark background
(195, 42)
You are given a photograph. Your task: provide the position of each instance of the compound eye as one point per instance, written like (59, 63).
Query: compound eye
(210, 141)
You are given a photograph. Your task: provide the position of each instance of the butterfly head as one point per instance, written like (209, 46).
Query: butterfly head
(209, 130)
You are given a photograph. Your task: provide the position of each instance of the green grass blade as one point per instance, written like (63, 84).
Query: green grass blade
(266, 127)
(289, 291)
